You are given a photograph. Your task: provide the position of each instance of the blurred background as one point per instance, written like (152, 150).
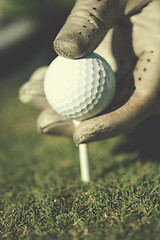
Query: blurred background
(28, 28)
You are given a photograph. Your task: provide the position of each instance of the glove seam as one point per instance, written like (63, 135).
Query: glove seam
(96, 23)
(56, 123)
(137, 11)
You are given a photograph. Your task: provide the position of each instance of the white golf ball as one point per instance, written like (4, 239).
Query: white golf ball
(79, 88)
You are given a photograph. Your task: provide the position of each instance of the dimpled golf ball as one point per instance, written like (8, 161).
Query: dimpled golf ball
(79, 88)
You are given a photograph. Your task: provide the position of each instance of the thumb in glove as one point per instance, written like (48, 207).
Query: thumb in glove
(86, 26)
(89, 22)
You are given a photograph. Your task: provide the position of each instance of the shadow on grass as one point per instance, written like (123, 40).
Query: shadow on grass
(140, 145)
(144, 140)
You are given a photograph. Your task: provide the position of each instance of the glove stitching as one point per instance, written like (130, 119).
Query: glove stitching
(93, 19)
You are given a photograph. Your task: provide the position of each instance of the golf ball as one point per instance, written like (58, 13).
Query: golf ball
(79, 88)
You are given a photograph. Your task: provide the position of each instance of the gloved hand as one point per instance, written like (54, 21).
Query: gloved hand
(127, 34)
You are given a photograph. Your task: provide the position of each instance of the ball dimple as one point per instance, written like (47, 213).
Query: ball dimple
(81, 90)
(88, 94)
(95, 101)
(83, 105)
(95, 83)
(76, 101)
(102, 73)
(90, 106)
(88, 101)
(100, 88)
(94, 91)
(77, 109)
(95, 75)
(88, 87)
(102, 81)
(84, 111)
(81, 98)
(98, 95)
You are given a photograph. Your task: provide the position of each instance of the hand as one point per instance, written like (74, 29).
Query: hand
(126, 34)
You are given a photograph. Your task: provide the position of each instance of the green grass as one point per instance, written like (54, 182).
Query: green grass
(42, 196)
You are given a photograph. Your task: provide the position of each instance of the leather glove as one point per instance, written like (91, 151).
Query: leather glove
(127, 34)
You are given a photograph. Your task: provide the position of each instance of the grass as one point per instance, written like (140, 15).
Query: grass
(42, 196)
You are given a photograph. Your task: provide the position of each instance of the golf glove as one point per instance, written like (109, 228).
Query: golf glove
(127, 34)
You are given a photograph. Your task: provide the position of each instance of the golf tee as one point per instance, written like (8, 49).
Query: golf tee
(84, 162)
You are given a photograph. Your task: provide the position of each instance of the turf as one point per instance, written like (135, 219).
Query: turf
(42, 196)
